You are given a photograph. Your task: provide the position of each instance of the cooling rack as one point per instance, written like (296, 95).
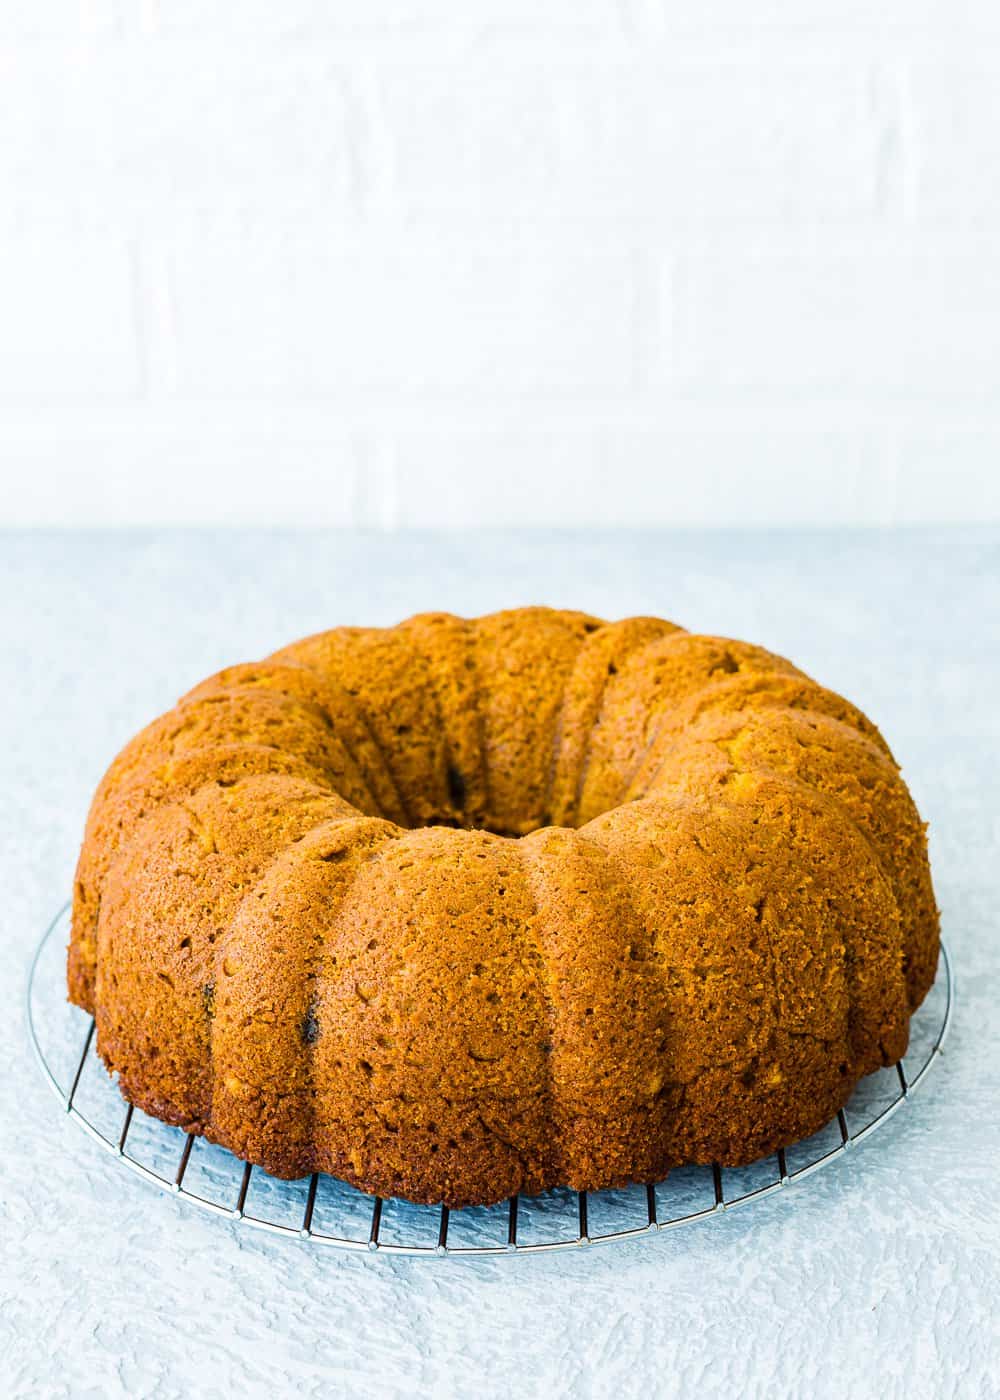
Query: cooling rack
(321, 1210)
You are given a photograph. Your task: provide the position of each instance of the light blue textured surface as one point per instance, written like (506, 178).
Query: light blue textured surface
(880, 1277)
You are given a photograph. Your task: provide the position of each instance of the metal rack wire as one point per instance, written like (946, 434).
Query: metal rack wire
(207, 1176)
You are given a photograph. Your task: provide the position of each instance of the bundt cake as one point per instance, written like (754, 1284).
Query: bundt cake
(459, 909)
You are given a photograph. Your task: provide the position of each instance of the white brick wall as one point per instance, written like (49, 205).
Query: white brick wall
(67, 323)
(399, 316)
(397, 262)
(873, 321)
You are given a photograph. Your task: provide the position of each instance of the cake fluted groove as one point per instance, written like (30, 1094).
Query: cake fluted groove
(392, 683)
(534, 935)
(397, 809)
(453, 760)
(572, 816)
(590, 631)
(299, 684)
(523, 656)
(471, 635)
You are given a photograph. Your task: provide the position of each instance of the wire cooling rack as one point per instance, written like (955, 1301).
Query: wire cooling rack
(324, 1211)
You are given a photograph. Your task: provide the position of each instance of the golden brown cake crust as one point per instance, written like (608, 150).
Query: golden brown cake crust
(464, 908)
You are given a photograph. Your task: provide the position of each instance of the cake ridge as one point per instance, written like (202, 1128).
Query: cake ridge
(726, 662)
(868, 823)
(140, 781)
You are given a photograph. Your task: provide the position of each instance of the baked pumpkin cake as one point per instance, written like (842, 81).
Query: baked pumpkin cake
(458, 909)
